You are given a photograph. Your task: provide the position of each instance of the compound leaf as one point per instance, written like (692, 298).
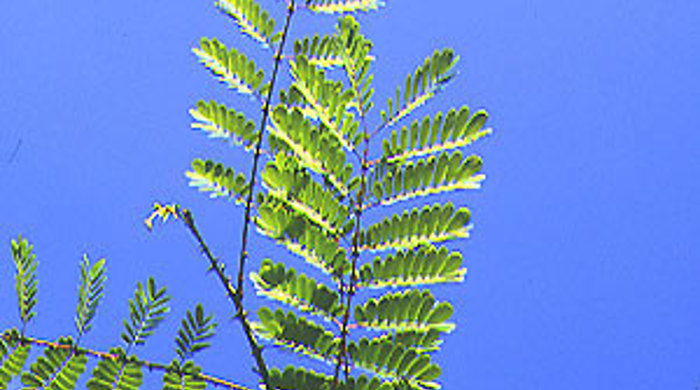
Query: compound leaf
(251, 19)
(218, 180)
(26, 284)
(303, 292)
(90, 289)
(230, 66)
(147, 309)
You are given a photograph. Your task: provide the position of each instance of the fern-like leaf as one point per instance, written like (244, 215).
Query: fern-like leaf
(230, 66)
(441, 133)
(58, 369)
(354, 50)
(433, 175)
(92, 281)
(147, 309)
(5, 344)
(297, 333)
(194, 332)
(424, 340)
(288, 182)
(304, 293)
(327, 100)
(423, 265)
(218, 180)
(300, 378)
(301, 237)
(252, 20)
(408, 310)
(120, 373)
(389, 360)
(343, 6)
(12, 366)
(316, 149)
(25, 278)
(184, 378)
(321, 51)
(419, 227)
(420, 86)
(219, 121)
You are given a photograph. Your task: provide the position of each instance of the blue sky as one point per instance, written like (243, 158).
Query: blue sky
(583, 266)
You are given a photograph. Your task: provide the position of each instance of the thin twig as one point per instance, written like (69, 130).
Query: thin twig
(238, 296)
(258, 147)
(225, 280)
(217, 381)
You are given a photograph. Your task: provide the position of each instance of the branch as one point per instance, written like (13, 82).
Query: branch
(214, 380)
(258, 148)
(225, 280)
(238, 293)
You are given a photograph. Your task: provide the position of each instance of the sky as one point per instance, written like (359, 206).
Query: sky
(583, 263)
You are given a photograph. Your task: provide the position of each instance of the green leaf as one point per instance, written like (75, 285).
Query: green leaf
(388, 360)
(186, 378)
(58, 368)
(292, 185)
(219, 121)
(316, 149)
(424, 177)
(418, 227)
(402, 311)
(327, 100)
(12, 366)
(300, 378)
(343, 6)
(297, 333)
(5, 344)
(230, 66)
(355, 53)
(423, 340)
(25, 278)
(147, 309)
(321, 51)
(419, 266)
(218, 180)
(251, 18)
(303, 292)
(90, 291)
(195, 330)
(433, 135)
(120, 373)
(301, 237)
(423, 84)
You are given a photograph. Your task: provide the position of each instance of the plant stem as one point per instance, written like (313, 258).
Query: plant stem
(143, 363)
(225, 280)
(256, 158)
(256, 349)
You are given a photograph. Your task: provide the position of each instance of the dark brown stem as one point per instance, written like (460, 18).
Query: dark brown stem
(256, 158)
(237, 294)
(225, 280)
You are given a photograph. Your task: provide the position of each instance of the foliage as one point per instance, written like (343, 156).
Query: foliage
(65, 361)
(321, 189)
(374, 223)
(25, 280)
